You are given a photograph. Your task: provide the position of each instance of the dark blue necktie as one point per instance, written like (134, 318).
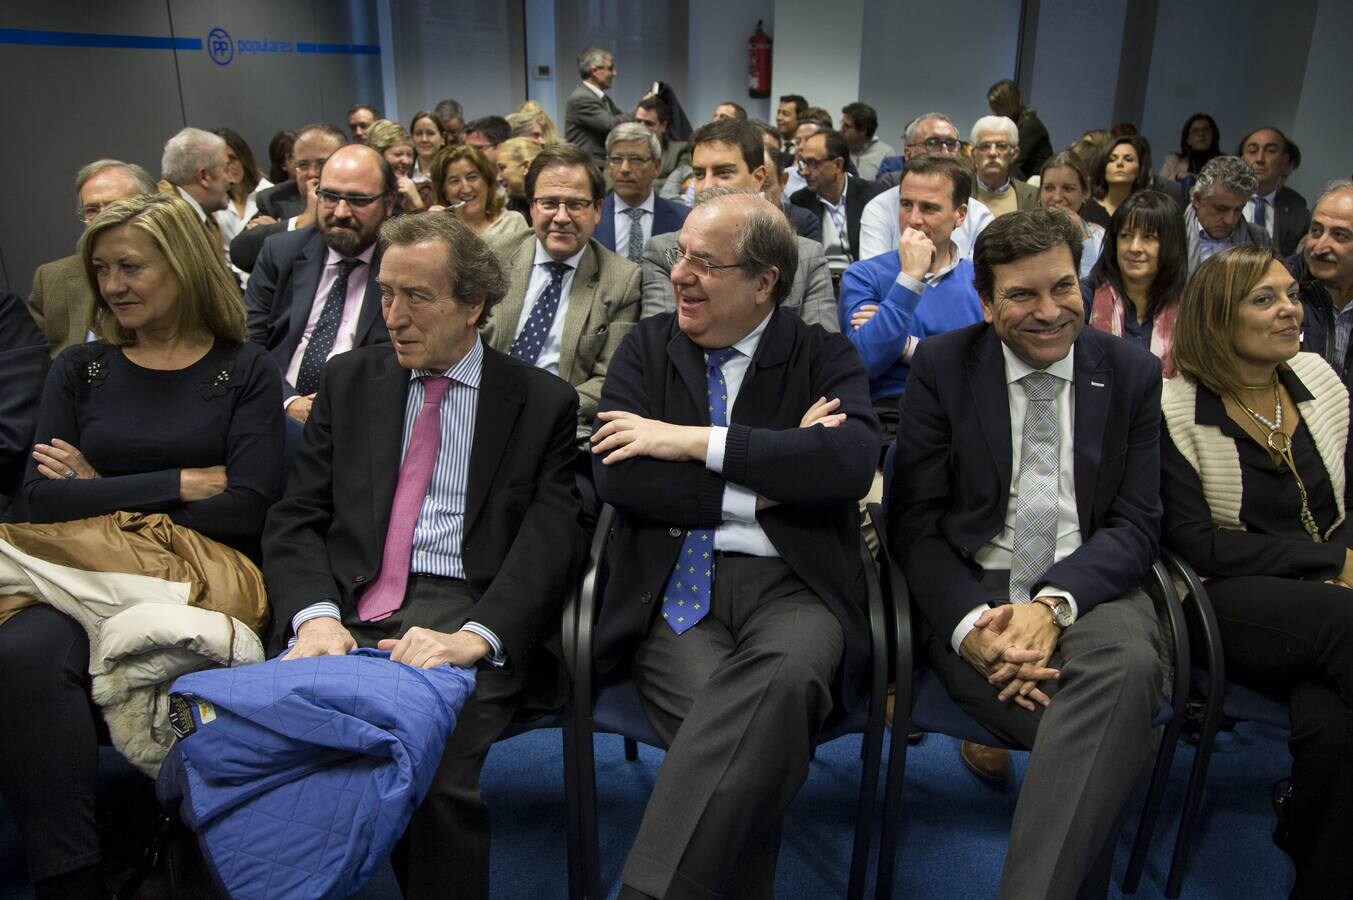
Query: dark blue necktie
(1261, 212)
(528, 344)
(686, 598)
(326, 330)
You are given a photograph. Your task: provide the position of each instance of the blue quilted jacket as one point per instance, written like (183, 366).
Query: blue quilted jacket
(299, 776)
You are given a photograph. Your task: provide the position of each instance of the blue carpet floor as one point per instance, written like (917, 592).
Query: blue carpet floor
(952, 841)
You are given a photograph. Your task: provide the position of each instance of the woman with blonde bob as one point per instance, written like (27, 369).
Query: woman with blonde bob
(159, 450)
(1255, 483)
(531, 121)
(396, 146)
(466, 182)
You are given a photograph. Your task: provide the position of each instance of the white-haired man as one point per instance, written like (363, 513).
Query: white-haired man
(995, 147)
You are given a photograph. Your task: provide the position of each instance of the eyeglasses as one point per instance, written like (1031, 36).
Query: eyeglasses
(89, 213)
(699, 266)
(803, 162)
(998, 146)
(950, 144)
(634, 161)
(551, 205)
(356, 201)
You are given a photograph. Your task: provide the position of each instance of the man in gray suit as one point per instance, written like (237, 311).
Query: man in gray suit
(729, 154)
(591, 114)
(60, 300)
(570, 300)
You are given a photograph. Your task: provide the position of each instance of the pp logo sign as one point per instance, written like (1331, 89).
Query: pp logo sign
(220, 46)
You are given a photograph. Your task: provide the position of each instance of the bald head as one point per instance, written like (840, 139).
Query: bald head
(356, 194)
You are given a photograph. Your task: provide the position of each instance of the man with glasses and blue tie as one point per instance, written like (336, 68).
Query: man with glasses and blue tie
(632, 213)
(313, 293)
(569, 299)
(734, 441)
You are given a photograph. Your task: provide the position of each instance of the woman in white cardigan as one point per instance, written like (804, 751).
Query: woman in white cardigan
(1255, 483)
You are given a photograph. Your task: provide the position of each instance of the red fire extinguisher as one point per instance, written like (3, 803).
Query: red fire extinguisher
(758, 66)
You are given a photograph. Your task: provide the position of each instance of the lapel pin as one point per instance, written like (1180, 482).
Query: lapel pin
(1096, 383)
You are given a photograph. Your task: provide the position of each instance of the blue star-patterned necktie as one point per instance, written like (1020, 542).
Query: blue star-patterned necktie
(326, 330)
(528, 344)
(686, 598)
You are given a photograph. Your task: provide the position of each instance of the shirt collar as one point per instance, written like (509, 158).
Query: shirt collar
(1000, 190)
(1271, 196)
(192, 201)
(1016, 368)
(543, 256)
(594, 89)
(467, 372)
(841, 202)
(954, 260)
(647, 205)
(333, 257)
(748, 344)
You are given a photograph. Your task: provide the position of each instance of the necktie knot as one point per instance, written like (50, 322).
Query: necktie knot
(435, 388)
(636, 212)
(1038, 386)
(718, 357)
(347, 265)
(557, 270)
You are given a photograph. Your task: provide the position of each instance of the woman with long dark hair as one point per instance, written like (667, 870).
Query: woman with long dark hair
(1199, 142)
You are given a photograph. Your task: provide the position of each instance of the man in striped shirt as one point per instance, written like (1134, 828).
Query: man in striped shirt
(432, 512)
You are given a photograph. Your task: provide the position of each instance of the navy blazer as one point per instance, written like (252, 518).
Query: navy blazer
(1293, 218)
(951, 480)
(858, 193)
(667, 216)
(281, 291)
(816, 474)
(281, 201)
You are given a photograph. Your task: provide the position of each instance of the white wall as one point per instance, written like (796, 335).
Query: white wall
(1323, 126)
(717, 69)
(817, 52)
(1240, 61)
(1074, 80)
(932, 57)
(648, 40)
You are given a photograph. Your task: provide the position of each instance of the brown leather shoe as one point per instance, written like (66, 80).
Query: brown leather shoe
(987, 763)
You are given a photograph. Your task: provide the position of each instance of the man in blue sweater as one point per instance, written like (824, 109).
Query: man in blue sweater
(892, 301)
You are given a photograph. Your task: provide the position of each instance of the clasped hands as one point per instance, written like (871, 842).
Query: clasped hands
(421, 648)
(625, 435)
(1011, 645)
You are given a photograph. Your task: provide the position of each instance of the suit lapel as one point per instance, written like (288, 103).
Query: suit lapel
(371, 301)
(386, 397)
(1094, 396)
(581, 296)
(501, 397)
(991, 399)
(689, 362)
(308, 270)
(605, 232)
(498, 333)
(762, 393)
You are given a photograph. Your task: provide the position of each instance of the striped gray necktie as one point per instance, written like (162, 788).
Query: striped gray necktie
(635, 251)
(1039, 466)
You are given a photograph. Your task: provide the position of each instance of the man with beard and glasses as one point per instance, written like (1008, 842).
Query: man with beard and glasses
(313, 293)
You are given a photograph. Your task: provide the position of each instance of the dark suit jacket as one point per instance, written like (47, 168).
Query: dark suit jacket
(281, 291)
(522, 546)
(281, 201)
(1293, 219)
(588, 119)
(667, 216)
(805, 224)
(23, 369)
(674, 154)
(951, 481)
(816, 474)
(858, 193)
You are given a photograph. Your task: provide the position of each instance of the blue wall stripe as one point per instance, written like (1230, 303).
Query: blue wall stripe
(352, 49)
(35, 38)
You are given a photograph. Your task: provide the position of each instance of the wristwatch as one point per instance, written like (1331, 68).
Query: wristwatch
(1061, 610)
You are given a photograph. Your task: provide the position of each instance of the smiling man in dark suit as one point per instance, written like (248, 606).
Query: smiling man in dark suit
(1026, 513)
(431, 512)
(735, 442)
(314, 292)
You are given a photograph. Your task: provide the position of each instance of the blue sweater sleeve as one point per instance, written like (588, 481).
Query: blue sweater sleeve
(881, 340)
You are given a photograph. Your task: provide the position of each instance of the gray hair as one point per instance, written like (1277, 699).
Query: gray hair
(145, 184)
(1333, 187)
(474, 272)
(592, 58)
(187, 152)
(996, 123)
(449, 109)
(1230, 173)
(909, 135)
(633, 131)
(765, 241)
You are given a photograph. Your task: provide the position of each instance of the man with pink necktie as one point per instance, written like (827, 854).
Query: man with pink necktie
(432, 512)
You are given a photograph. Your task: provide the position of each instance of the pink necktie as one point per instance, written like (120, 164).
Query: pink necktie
(415, 474)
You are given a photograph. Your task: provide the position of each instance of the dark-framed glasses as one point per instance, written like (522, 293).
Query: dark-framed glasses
(356, 201)
(551, 205)
(935, 143)
(698, 265)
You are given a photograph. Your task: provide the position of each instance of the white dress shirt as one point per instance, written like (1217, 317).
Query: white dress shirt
(739, 531)
(540, 280)
(232, 223)
(998, 552)
(623, 222)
